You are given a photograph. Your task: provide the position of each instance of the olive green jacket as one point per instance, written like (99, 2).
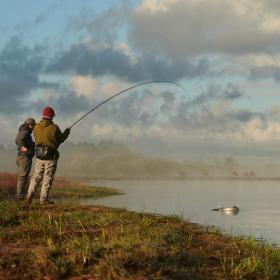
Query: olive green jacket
(48, 133)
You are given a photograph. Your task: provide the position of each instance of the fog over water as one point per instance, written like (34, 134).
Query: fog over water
(193, 200)
(110, 159)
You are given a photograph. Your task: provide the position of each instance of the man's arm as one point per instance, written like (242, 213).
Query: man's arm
(20, 140)
(61, 137)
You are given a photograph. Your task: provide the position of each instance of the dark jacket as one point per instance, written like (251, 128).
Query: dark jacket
(48, 133)
(24, 139)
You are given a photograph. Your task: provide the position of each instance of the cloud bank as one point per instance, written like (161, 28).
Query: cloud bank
(211, 47)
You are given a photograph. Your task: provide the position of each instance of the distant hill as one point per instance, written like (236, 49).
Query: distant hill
(111, 160)
(108, 159)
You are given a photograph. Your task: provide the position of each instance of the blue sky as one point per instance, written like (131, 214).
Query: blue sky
(72, 54)
(40, 20)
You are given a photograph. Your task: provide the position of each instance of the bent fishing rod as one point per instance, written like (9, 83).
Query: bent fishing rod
(119, 93)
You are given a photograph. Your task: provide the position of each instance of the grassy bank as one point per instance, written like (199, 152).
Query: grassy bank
(63, 188)
(70, 241)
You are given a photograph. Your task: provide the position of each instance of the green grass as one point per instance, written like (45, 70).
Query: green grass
(68, 240)
(81, 191)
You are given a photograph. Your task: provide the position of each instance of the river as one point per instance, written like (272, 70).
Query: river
(258, 201)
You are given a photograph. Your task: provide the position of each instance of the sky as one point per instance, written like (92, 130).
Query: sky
(73, 54)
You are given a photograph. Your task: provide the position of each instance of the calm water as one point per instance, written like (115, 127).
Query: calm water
(259, 203)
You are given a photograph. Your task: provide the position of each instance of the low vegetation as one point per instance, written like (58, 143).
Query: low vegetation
(71, 241)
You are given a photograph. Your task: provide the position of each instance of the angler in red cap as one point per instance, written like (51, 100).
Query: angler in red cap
(48, 137)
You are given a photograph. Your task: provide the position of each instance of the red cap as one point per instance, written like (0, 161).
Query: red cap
(48, 113)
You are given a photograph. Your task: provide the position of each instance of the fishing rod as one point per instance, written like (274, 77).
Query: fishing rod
(115, 95)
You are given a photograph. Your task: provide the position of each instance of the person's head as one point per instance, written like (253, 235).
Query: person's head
(30, 122)
(48, 113)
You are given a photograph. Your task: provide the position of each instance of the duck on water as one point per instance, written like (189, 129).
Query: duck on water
(230, 210)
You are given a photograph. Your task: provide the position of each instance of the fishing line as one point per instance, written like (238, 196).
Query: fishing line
(123, 91)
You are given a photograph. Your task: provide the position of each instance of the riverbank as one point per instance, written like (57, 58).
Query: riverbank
(89, 242)
(70, 241)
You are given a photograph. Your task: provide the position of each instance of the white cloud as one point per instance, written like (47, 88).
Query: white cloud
(259, 60)
(271, 25)
(196, 27)
(154, 6)
(112, 86)
(254, 131)
(89, 86)
(83, 85)
(124, 48)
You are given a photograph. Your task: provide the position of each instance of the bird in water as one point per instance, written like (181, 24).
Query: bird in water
(228, 210)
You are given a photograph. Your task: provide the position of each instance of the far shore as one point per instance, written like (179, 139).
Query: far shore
(193, 178)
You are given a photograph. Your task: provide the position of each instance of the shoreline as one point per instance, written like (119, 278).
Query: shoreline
(71, 241)
(210, 178)
(74, 241)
